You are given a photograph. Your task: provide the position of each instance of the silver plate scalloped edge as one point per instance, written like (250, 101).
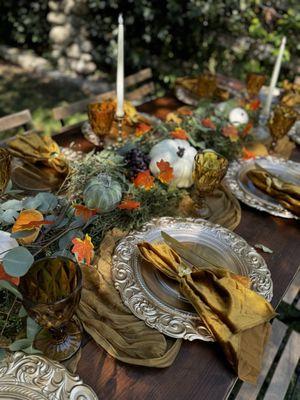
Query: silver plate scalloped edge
(173, 322)
(33, 377)
(232, 181)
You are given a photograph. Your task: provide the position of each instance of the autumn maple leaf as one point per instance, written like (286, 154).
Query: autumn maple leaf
(5, 277)
(128, 204)
(179, 133)
(166, 171)
(141, 129)
(247, 154)
(231, 132)
(207, 123)
(84, 212)
(83, 249)
(144, 179)
(35, 224)
(247, 128)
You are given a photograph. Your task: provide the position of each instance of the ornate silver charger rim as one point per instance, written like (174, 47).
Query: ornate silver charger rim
(233, 181)
(33, 377)
(170, 321)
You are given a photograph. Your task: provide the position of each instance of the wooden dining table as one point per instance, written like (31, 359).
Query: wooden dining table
(200, 371)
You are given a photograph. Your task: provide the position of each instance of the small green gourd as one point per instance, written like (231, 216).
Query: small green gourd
(102, 193)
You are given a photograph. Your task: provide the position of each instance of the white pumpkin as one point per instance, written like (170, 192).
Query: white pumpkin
(238, 116)
(180, 154)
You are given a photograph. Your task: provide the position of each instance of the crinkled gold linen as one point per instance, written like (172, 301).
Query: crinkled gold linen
(111, 324)
(34, 148)
(237, 317)
(286, 193)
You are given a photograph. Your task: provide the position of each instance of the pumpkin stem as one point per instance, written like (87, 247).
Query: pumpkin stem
(104, 179)
(180, 152)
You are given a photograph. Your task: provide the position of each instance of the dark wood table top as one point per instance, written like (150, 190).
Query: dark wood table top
(200, 370)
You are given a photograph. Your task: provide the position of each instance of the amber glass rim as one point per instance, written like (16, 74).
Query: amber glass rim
(78, 287)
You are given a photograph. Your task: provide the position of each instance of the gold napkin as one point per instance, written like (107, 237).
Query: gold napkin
(287, 193)
(35, 148)
(236, 316)
(111, 324)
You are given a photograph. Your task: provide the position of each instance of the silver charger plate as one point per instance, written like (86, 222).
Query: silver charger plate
(155, 299)
(33, 377)
(242, 187)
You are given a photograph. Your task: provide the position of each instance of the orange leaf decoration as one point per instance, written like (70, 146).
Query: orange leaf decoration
(166, 171)
(184, 111)
(35, 224)
(254, 105)
(128, 204)
(247, 154)
(207, 123)
(231, 132)
(5, 277)
(247, 128)
(84, 212)
(179, 133)
(144, 179)
(83, 249)
(27, 220)
(141, 129)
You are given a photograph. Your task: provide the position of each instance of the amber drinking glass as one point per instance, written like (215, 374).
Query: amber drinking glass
(101, 118)
(281, 121)
(5, 169)
(209, 170)
(51, 292)
(254, 83)
(206, 85)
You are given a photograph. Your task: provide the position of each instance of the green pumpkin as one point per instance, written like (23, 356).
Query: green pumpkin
(102, 193)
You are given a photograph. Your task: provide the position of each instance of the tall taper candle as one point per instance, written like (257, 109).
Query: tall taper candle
(274, 79)
(120, 69)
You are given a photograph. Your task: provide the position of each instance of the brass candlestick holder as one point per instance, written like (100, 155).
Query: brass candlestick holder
(120, 120)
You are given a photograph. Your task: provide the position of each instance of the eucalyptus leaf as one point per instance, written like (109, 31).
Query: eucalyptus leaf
(31, 350)
(17, 261)
(22, 312)
(31, 203)
(9, 216)
(16, 205)
(32, 328)
(20, 344)
(65, 241)
(3, 354)
(64, 253)
(22, 234)
(11, 288)
(48, 202)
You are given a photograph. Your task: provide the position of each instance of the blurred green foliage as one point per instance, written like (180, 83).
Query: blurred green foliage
(174, 37)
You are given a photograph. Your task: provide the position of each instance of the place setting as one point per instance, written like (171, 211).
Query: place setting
(112, 259)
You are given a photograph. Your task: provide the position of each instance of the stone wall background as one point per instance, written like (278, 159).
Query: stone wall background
(70, 46)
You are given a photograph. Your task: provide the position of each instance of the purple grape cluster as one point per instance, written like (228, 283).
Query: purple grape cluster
(136, 162)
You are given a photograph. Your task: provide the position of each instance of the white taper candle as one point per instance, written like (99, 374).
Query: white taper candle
(120, 69)
(274, 79)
